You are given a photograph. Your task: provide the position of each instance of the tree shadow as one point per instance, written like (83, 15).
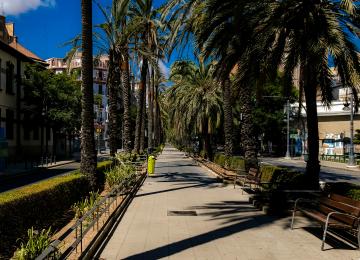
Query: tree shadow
(237, 215)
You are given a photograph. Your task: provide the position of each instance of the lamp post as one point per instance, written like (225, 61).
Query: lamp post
(351, 151)
(351, 162)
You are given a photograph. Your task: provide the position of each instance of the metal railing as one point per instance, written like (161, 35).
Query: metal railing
(90, 220)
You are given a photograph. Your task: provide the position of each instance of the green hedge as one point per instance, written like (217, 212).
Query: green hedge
(346, 189)
(279, 177)
(234, 162)
(40, 205)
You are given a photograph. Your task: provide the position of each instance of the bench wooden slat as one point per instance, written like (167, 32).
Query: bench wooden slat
(345, 200)
(320, 217)
(342, 207)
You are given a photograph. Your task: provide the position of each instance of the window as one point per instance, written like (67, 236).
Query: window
(9, 124)
(100, 90)
(100, 75)
(9, 78)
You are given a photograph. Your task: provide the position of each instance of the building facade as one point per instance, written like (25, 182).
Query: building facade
(101, 110)
(20, 127)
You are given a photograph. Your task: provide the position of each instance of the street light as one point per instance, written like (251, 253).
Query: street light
(351, 162)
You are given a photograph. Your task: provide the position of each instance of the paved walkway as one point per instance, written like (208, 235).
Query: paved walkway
(226, 225)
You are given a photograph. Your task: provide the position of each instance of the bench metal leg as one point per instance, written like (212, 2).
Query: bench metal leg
(293, 219)
(324, 235)
(234, 181)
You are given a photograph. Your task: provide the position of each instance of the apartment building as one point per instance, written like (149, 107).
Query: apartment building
(19, 126)
(101, 110)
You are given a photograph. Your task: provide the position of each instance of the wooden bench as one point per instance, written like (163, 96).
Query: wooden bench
(253, 177)
(333, 211)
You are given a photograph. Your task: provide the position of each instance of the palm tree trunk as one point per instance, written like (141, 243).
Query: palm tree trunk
(207, 141)
(140, 110)
(228, 119)
(126, 86)
(247, 124)
(113, 84)
(143, 125)
(313, 164)
(156, 116)
(151, 109)
(88, 156)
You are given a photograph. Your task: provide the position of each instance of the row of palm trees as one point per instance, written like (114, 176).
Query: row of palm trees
(133, 36)
(249, 41)
(253, 40)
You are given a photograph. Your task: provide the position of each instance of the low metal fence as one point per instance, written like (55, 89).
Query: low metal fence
(90, 220)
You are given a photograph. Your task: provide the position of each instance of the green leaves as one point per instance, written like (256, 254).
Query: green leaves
(55, 96)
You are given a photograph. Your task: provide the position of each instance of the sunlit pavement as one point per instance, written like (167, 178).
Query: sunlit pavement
(222, 225)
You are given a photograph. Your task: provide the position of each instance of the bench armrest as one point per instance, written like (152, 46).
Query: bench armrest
(340, 213)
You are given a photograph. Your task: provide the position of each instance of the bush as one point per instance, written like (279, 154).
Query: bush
(278, 177)
(237, 163)
(126, 157)
(35, 245)
(123, 175)
(220, 159)
(346, 189)
(40, 205)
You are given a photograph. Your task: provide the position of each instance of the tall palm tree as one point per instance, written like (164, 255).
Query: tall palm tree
(228, 117)
(308, 34)
(115, 40)
(146, 19)
(196, 104)
(88, 156)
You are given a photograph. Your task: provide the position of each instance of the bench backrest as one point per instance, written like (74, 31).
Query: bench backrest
(254, 173)
(342, 204)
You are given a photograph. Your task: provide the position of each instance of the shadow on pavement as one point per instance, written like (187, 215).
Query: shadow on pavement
(228, 211)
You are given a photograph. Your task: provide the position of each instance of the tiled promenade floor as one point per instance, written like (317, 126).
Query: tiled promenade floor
(226, 225)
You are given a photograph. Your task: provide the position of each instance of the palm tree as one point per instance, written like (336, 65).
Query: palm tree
(145, 17)
(228, 117)
(309, 34)
(196, 104)
(115, 40)
(88, 156)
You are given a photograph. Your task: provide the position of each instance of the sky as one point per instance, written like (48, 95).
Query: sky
(43, 26)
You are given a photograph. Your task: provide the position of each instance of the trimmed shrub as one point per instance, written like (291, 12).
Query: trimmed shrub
(282, 177)
(220, 159)
(40, 205)
(237, 163)
(346, 189)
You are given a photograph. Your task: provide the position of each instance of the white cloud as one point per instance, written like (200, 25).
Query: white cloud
(16, 7)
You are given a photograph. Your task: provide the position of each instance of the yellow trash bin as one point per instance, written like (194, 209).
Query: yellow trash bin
(151, 165)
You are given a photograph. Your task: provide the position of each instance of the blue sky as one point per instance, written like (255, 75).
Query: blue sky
(43, 26)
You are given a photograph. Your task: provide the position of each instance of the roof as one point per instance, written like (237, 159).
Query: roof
(7, 48)
(25, 51)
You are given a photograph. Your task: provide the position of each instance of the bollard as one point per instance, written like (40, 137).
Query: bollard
(151, 165)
